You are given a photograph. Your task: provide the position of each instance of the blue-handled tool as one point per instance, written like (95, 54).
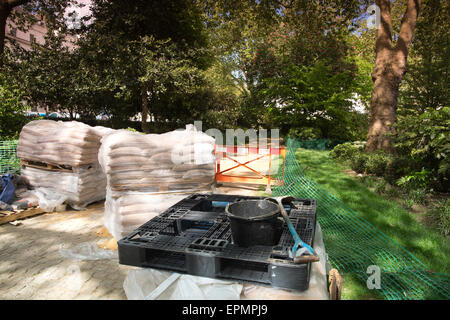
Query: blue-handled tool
(305, 249)
(219, 204)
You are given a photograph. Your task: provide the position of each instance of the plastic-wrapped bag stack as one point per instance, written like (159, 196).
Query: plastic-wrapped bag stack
(63, 157)
(146, 174)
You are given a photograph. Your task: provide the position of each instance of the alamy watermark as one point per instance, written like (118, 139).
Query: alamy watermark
(201, 151)
(374, 280)
(374, 19)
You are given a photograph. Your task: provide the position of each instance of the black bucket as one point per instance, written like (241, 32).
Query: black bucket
(254, 222)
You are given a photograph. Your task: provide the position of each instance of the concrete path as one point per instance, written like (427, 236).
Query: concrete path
(32, 266)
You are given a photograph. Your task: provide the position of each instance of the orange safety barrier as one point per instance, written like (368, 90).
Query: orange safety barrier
(226, 152)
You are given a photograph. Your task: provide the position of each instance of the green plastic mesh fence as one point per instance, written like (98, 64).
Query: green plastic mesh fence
(9, 163)
(353, 244)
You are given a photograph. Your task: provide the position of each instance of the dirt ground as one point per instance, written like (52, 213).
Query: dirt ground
(32, 265)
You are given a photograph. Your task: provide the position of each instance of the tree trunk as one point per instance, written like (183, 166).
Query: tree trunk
(144, 125)
(383, 105)
(390, 67)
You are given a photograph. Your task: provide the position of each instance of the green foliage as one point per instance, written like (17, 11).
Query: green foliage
(358, 162)
(154, 51)
(12, 116)
(423, 125)
(397, 167)
(416, 180)
(377, 162)
(426, 84)
(308, 133)
(363, 81)
(439, 216)
(381, 186)
(426, 139)
(309, 97)
(302, 74)
(52, 76)
(418, 195)
(345, 151)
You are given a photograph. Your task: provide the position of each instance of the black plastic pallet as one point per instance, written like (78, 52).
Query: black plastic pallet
(194, 237)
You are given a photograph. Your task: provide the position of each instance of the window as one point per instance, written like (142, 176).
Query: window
(13, 32)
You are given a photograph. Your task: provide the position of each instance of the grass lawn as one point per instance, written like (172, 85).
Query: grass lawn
(399, 224)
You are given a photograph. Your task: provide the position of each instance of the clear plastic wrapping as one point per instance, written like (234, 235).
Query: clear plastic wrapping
(85, 185)
(146, 174)
(69, 143)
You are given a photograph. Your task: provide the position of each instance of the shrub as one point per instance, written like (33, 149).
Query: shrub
(376, 163)
(344, 151)
(368, 181)
(358, 162)
(12, 116)
(426, 138)
(305, 133)
(381, 186)
(417, 180)
(418, 195)
(439, 215)
(397, 167)
(392, 192)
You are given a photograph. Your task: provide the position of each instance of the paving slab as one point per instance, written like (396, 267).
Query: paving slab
(32, 267)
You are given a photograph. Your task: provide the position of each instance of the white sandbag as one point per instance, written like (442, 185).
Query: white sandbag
(129, 211)
(85, 185)
(63, 143)
(146, 174)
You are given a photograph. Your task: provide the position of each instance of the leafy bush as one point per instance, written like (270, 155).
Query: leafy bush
(391, 191)
(415, 181)
(305, 133)
(345, 151)
(376, 163)
(426, 138)
(439, 215)
(12, 116)
(381, 186)
(369, 181)
(358, 162)
(418, 195)
(397, 167)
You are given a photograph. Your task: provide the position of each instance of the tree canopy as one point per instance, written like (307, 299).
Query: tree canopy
(304, 67)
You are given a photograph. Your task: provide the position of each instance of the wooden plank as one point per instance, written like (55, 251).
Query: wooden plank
(45, 166)
(13, 216)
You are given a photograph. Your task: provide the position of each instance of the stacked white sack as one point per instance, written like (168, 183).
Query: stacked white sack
(65, 144)
(146, 174)
(68, 143)
(85, 185)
